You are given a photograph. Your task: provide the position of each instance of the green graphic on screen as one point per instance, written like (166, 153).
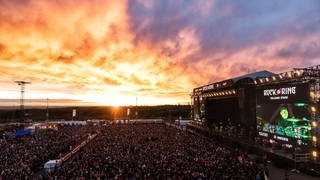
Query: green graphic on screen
(292, 120)
(284, 113)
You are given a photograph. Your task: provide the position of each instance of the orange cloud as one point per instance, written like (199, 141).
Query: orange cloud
(106, 52)
(79, 43)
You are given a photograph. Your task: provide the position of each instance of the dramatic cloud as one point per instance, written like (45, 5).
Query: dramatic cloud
(111, 52)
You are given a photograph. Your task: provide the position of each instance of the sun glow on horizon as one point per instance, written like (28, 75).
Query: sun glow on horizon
(112, 99)
(115, 99)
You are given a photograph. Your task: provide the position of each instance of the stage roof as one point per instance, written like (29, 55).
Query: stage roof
(232, 81)
(259, 74)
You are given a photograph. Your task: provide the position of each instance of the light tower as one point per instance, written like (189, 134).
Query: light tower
(22, 85)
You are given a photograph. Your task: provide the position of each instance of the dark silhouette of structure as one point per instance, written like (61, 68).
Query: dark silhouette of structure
(22, 90)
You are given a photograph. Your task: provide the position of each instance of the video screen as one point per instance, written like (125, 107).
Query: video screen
(199, 108)
(196, 107)
(290, 119)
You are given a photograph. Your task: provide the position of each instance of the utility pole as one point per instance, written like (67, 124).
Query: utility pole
(22, 85)
(47, 114)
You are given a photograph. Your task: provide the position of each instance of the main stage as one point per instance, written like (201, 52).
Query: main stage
(274, 113)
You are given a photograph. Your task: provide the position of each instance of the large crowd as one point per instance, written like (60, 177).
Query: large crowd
(22, 157)
(124, 151)
(157, 151)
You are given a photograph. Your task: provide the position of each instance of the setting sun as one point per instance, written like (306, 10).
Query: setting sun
(110, 99)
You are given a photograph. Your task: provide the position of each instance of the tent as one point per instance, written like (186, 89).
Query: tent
(21, 132)
(52, 164)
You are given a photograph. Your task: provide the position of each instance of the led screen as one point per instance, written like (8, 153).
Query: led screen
(196, 107)
(284, 110)
(292, 120)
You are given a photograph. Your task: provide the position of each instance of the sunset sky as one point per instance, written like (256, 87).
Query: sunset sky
(94, 52)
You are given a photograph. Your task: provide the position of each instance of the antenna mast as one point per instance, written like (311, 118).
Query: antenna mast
(22, 90)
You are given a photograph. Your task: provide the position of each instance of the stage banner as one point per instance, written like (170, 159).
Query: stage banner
(289, 93)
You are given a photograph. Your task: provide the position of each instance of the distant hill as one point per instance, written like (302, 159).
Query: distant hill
(166, 112)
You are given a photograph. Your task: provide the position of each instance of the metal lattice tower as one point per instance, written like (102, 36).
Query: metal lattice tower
(313, 73)
(22, 90)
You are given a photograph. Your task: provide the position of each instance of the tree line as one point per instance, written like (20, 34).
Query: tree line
(166, 112)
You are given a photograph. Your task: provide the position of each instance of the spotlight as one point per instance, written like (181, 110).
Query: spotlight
(299, 72)
(314, 138)
(314, 154)
(312, 94)
(314, 123)
(281, 77)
